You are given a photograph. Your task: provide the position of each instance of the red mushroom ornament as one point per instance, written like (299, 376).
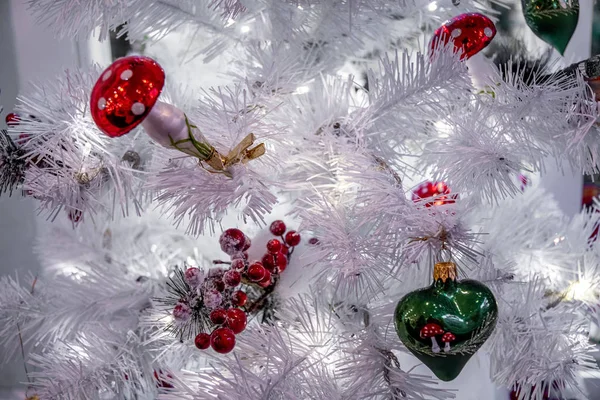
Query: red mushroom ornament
(430, 331)
(447, 338)
(125, 94)
(470, 33)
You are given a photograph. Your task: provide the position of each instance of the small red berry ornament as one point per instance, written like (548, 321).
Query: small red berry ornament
(232, 278)
(256, 272)
(281, 262)
(239, 298)
(236, 320)
(247, 243)
(278, 228)
(238, 264)
(292, 238)
(202, 341)
(218, 316)
(12, 119)
(125, 93)
(266, 280)
(232, 241)
(268, 261)
(470, 33)
(273, 246)
(182, 312)
(193, 277)
(222, 340)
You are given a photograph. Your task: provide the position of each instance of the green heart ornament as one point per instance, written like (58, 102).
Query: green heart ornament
(553, 21)
(445, 324)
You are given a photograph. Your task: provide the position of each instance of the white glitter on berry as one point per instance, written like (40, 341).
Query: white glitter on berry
(182, 312)
(102, 103)
(194, 277)
(106, 75)
(456, 33)
(212, 299)
(488, 32)
(138, 108)
(125, 75)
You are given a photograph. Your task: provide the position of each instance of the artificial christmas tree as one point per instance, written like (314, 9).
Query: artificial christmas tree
(147, 187)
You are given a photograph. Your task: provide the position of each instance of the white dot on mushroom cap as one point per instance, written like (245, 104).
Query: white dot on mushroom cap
(138, 108)
(456, 33)
(488, 32)
(106, 75)
(125, 75)
(102, 103)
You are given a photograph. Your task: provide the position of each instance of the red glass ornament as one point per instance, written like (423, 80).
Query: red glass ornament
(269, 263)
(222, 340)
(125, 93)
(281, 261)
(218, 316)
(232, 241)
(277, 228)
(438, 190)
(236, 320)
(470, 33)
(239, 298)
(256, 272)
(292, 238)
(238, 264)
(12, 119)
(232, 278)
(273, 246)
(202, 341)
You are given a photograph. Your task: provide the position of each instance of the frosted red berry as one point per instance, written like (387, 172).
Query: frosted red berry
(12, 119)
(273, 246)
(238, 264)
(218, 316)
(193, 277)
(277, 228)
(247, 243)
(182, 312)
(232, 278)
(202, 341)
(239, 298)
(232, 241)
(125, 93)
(236, 320)
(222, 340)
(292, 238)
(256, 272)
(281, 262)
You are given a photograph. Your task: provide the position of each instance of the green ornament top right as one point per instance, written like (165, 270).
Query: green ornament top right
(553, 21)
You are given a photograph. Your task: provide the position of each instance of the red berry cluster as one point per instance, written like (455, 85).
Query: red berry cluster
(439, 191)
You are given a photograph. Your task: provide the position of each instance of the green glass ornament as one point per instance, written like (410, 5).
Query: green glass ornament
(445, 324)
(553, 21)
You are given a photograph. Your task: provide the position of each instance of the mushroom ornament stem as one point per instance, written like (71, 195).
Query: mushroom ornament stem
(435, 347)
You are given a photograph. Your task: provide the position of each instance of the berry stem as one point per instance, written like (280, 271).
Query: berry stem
(221, 262)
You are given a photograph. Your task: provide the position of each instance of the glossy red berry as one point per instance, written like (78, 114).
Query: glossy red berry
(238, 264)
(239, 298)
(292, 238)
(285, 249)
(218, 316)
(281, 261)
(269, 263)
(256, 272)
(236, 320)
(202, 341)
(266, 281)
(277, 228)
(125, 93)
(232, 241)
(470, 33)
(12, 119)
(273, 246)
(232, 278)
(222, 340)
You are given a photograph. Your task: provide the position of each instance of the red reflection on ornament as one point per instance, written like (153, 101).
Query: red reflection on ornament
(125, 93)
(439, 191)
(470, 33)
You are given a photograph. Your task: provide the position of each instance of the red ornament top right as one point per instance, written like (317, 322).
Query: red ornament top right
(470, 33)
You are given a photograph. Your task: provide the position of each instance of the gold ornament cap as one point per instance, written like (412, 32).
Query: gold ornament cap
(444, 271)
